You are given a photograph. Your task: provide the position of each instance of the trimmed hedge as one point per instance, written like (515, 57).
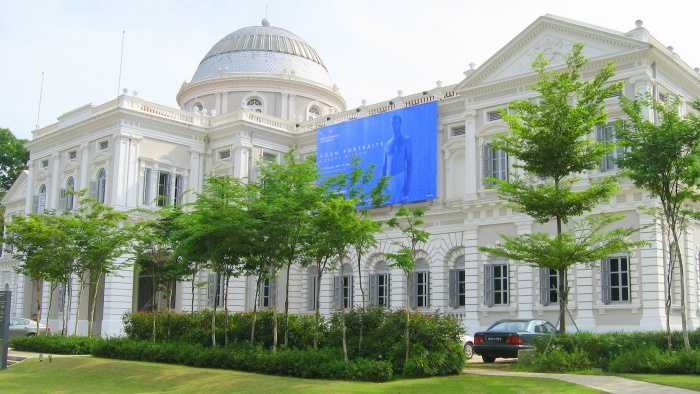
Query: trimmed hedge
(652, 360)
(55, 344)
(325, 364)
(375, 334)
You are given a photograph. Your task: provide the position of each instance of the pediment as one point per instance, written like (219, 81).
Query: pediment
(554, 38)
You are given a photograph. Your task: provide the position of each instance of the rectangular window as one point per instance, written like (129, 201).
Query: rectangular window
(606, 135)
(458, 288)
(163, 189)
(343, 291)
(493, 116)
(549, 286)
(147, 172)
(458, 131)
(420, 289)
(266, 293)
(313, 291)
(224, 154)
(347, 292)
(500, 284)
(616, 280)
(383, 289)
(179, 189)
(494, 163)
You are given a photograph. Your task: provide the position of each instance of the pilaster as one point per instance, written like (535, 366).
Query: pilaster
(471, 163)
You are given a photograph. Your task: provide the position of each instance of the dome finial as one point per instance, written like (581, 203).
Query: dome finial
(265, 22)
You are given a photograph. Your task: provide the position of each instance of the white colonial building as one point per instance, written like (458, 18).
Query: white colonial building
(262, 89)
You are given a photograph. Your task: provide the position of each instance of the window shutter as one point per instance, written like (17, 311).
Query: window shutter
(605, 281)
(486, 164)
(412, 290)
(507, 169)
(35, 204)
(62, 205)
(427, 288)
(488, 284)
(351, 291)
(453, 288)
(93, 190)
(146, 186)
(373, 289)
(273, 293)
(388, 290)
(600, 137)
(337, 292)
(544, 286)
(211, 289)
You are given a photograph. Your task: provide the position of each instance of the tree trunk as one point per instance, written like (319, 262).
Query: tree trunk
(407, 332)
(342, 314)
(669, 288)
(562, 281)
(154, 292)
(318, 304)
(39, 292)
(255, 310)
(52, 287)
(66, 306)
(681, 274)
(362, 292)
(213, 315)
(226, 310)
(286, 307)
(94, 304)
(77, 307)
(273, 304)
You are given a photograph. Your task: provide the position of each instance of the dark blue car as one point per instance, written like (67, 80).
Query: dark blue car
(506, 337)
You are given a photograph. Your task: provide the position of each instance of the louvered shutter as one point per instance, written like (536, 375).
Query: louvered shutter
(544, 286)
(427, 289)
(486, 164)
(337, 292)
(351, 291)
(373, 289)
(453, 288)
(507, 169)
(35, 204)
(311, 293)
(412, 290)
(488, 284)
(605, 281)
(273, 293)
(388, 290)
(211, 289)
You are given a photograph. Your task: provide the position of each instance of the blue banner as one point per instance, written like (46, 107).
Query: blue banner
(400, 144)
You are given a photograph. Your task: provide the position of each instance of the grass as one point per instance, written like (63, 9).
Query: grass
(690, 382)
(96, 375)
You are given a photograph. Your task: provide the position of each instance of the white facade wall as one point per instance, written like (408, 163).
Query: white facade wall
(143, 135)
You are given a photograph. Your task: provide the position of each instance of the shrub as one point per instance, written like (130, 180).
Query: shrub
(322, 363)
(556, 360)
(652, 360)
(55, 344)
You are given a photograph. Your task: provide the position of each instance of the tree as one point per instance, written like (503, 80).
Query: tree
(154, 254)
(408, 221)
(101, 239)
(13, 158)
(290, 193)
(550, 140)
(218, 232)
(662, 156)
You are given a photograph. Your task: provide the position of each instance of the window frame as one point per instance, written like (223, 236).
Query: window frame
(620, 273)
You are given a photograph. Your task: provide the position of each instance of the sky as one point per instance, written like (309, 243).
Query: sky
(372, 49)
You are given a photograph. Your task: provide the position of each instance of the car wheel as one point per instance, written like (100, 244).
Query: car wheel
(488, 359)
(469, 350)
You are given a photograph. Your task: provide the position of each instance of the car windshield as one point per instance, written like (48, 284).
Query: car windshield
(509, 326)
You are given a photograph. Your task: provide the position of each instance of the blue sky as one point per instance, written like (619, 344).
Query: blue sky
(371, 48)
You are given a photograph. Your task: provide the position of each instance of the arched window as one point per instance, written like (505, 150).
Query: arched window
(343, 288)
(68, 194)
(101, 190)
(313, 112)
(312, 289)
(40, 203)
(380, 285)
(254, 104)
(457, 282)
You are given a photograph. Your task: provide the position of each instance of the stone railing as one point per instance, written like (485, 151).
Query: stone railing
(162, 111)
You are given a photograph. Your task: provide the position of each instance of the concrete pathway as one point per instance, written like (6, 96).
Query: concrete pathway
(610, 384)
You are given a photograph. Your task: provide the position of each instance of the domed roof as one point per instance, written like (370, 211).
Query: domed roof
(263, 49)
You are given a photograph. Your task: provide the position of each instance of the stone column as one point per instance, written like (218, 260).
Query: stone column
(83, 181)
(53, 191)
(524, 279)
(195, 178)
(691, 278)
(471, 162)
(652, 267)
(471, 276)
(29, 193)
(116, 197)
(132, 173)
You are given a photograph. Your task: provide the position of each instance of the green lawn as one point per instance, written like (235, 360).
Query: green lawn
(95, 375)
(690, 382)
